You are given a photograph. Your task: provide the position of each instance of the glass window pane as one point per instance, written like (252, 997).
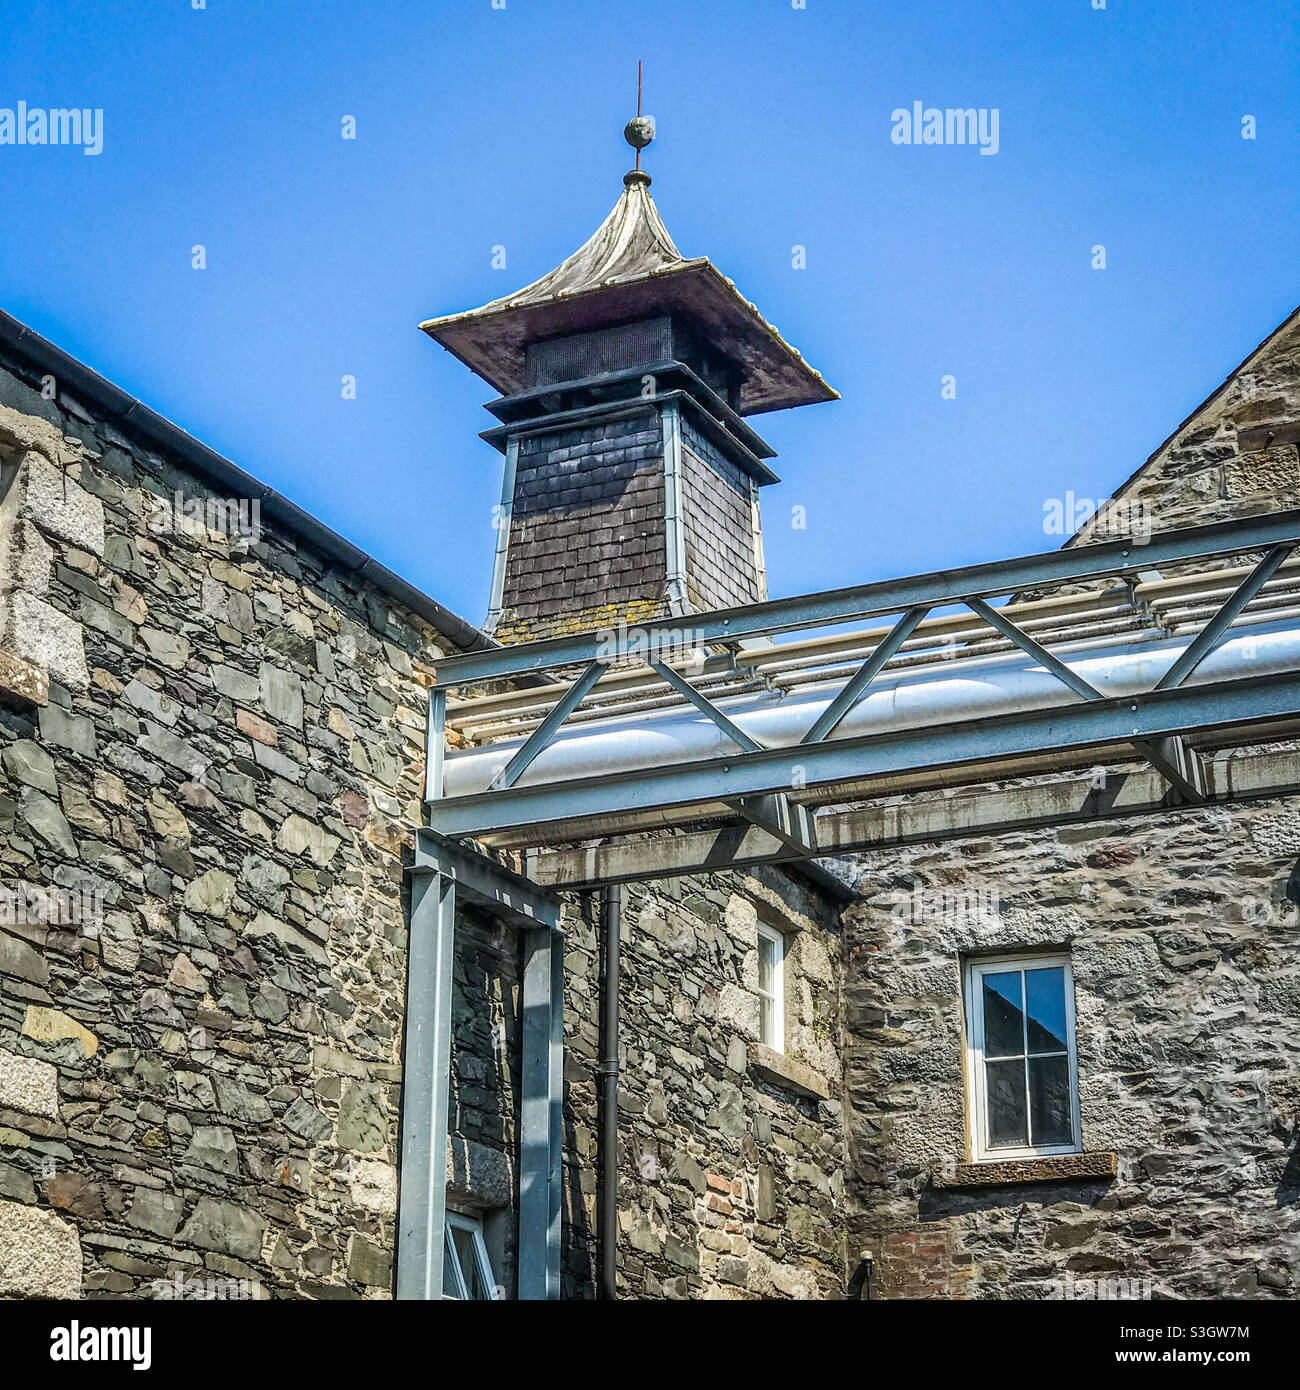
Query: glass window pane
(1045, 1001)
(469, 1265)
(767, 1020)
(766, 963)
(1005, 1086)
(1004, 1034)
(481, 1286)
(1049, 1100)
(450, 1274)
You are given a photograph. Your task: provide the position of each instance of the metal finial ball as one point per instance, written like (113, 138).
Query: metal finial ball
(639, 131)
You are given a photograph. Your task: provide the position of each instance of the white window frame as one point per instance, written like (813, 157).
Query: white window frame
(474, 1226)
(977, 1127)
(775, 941)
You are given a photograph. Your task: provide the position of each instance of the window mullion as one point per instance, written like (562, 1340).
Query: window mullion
(1029, 1106)
(462, 1290)
(484, 1264)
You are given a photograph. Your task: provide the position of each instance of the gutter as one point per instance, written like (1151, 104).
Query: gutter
(131, 414)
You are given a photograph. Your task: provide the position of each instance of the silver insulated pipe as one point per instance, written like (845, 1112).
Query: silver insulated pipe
(921, 697)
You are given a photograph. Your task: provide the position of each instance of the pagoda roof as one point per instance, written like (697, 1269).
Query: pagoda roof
(629, 270)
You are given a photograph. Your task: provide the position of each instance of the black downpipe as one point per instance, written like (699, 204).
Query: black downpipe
(613, 915)
(860, 1285)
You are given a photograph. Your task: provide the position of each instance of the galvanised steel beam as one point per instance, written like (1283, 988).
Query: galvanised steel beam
(1178, 764)
(435, 743)
(706, 706)
(999, 622)
(829, 719)
(792, 824)
(921, 819)
(487, 884)
(1171, 756)
(442, 871)
(545, 731)
(1214, 631)
(422, 1199)
(1156, 715)
(936, 589)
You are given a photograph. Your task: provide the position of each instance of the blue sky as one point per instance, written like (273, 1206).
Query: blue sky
(479, 127)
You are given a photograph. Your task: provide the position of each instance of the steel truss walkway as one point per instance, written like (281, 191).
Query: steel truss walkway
(671, 749)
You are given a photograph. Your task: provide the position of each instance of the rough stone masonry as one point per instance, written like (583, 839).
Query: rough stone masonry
(222, 743)
(217, 745)
(1183, 932)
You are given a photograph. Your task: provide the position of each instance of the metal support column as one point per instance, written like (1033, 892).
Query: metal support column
(542, 1115)
(435, 743)
(443, 871)
(425, 1084)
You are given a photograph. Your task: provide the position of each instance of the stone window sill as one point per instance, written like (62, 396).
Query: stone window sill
(789, 1072)
(1058, 1168)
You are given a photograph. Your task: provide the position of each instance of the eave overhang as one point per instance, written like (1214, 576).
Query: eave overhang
(627, 271)
(491, 341)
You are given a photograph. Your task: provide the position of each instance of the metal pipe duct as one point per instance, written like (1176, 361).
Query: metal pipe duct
(947, 692)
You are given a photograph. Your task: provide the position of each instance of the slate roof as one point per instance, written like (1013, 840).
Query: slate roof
(630, 269)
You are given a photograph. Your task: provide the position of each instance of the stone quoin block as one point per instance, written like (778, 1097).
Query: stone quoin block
(55, 502)
(29, 1086)
(37, 633)
(40, 1254)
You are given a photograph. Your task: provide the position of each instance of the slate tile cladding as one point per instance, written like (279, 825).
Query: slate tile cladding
(215, 1059)
(720, 567)
(587, 538)
(587, 528)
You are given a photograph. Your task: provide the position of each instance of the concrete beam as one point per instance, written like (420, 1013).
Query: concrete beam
(918, 820)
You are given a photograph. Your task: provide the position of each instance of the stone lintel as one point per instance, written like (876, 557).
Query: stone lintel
(477, 1176)
(1056, 1168)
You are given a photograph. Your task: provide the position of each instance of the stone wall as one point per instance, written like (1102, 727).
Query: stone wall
(211, 751)
(1183, 931)
(1183, 934)
(730, 1161)
(1236, 456)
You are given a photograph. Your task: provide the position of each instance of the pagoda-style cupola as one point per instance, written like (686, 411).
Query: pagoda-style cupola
(631, 478)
